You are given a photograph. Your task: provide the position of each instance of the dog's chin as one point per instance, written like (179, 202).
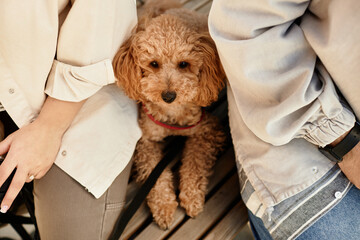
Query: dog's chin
(177, 103)
(164, 104)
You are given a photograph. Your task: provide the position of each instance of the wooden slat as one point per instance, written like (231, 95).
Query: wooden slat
(136, 221)
(153, 232)
(184, 1)
(196, 5)
(230, 225)
(205, 8)
(222, 167)
(213, 210)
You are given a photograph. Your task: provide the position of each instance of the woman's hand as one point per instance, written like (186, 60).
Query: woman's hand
(31, 150)
(350, 165)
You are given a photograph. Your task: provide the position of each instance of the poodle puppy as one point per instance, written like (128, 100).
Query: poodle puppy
(171, 67)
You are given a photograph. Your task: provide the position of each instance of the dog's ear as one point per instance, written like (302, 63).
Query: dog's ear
(212, 75)
(126, 71)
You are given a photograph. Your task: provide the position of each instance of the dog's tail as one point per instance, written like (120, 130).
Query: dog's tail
(154, 8)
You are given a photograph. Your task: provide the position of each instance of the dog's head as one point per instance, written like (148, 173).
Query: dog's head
(167, 61)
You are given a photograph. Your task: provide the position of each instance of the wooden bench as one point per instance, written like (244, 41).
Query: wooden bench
(224, 214)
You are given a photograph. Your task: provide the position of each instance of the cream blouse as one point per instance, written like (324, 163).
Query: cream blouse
(82, 36)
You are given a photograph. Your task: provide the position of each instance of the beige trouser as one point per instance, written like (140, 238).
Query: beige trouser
(66, 211)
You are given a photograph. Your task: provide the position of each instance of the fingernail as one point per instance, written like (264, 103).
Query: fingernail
(4, 209)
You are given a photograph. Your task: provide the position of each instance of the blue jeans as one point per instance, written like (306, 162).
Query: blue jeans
(342, 222)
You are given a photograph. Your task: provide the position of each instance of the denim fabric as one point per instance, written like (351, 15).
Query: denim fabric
(342, 222)
(257, 227)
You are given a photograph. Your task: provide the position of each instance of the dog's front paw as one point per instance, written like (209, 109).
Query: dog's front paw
(192, 202)
(162, 200)
(163, 213)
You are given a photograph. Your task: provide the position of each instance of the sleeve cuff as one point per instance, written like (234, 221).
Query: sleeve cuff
(324, 131)
(74, 84)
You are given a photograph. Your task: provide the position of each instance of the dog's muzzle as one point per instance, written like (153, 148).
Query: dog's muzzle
(168, 97)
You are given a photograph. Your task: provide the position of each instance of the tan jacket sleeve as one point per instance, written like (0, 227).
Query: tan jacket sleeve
(88, 40)
(281, 89)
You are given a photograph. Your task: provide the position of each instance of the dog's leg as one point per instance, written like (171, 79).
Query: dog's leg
(161, 199)
(199, 157)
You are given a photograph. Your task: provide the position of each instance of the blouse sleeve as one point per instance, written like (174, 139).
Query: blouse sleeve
(282, 91)
(88, 39)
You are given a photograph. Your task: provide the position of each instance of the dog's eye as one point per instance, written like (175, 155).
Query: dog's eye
(154, 64)
(183, 64)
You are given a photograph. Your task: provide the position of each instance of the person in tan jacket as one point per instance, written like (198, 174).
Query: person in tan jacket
(288, 63)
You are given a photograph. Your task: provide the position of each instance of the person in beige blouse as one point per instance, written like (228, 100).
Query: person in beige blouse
(56, 84)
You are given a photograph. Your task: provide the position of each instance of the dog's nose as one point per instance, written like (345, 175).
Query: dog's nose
(168, 97)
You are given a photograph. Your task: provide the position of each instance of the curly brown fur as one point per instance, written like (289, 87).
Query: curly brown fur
(171, 54)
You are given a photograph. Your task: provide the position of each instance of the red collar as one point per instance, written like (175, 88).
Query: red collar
(170, 126)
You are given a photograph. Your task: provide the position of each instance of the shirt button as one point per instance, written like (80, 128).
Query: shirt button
(338, 195)
(314, 170)
(11, 90)
(63, 153)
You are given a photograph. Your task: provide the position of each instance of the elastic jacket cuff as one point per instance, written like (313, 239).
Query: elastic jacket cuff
(324, 131)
